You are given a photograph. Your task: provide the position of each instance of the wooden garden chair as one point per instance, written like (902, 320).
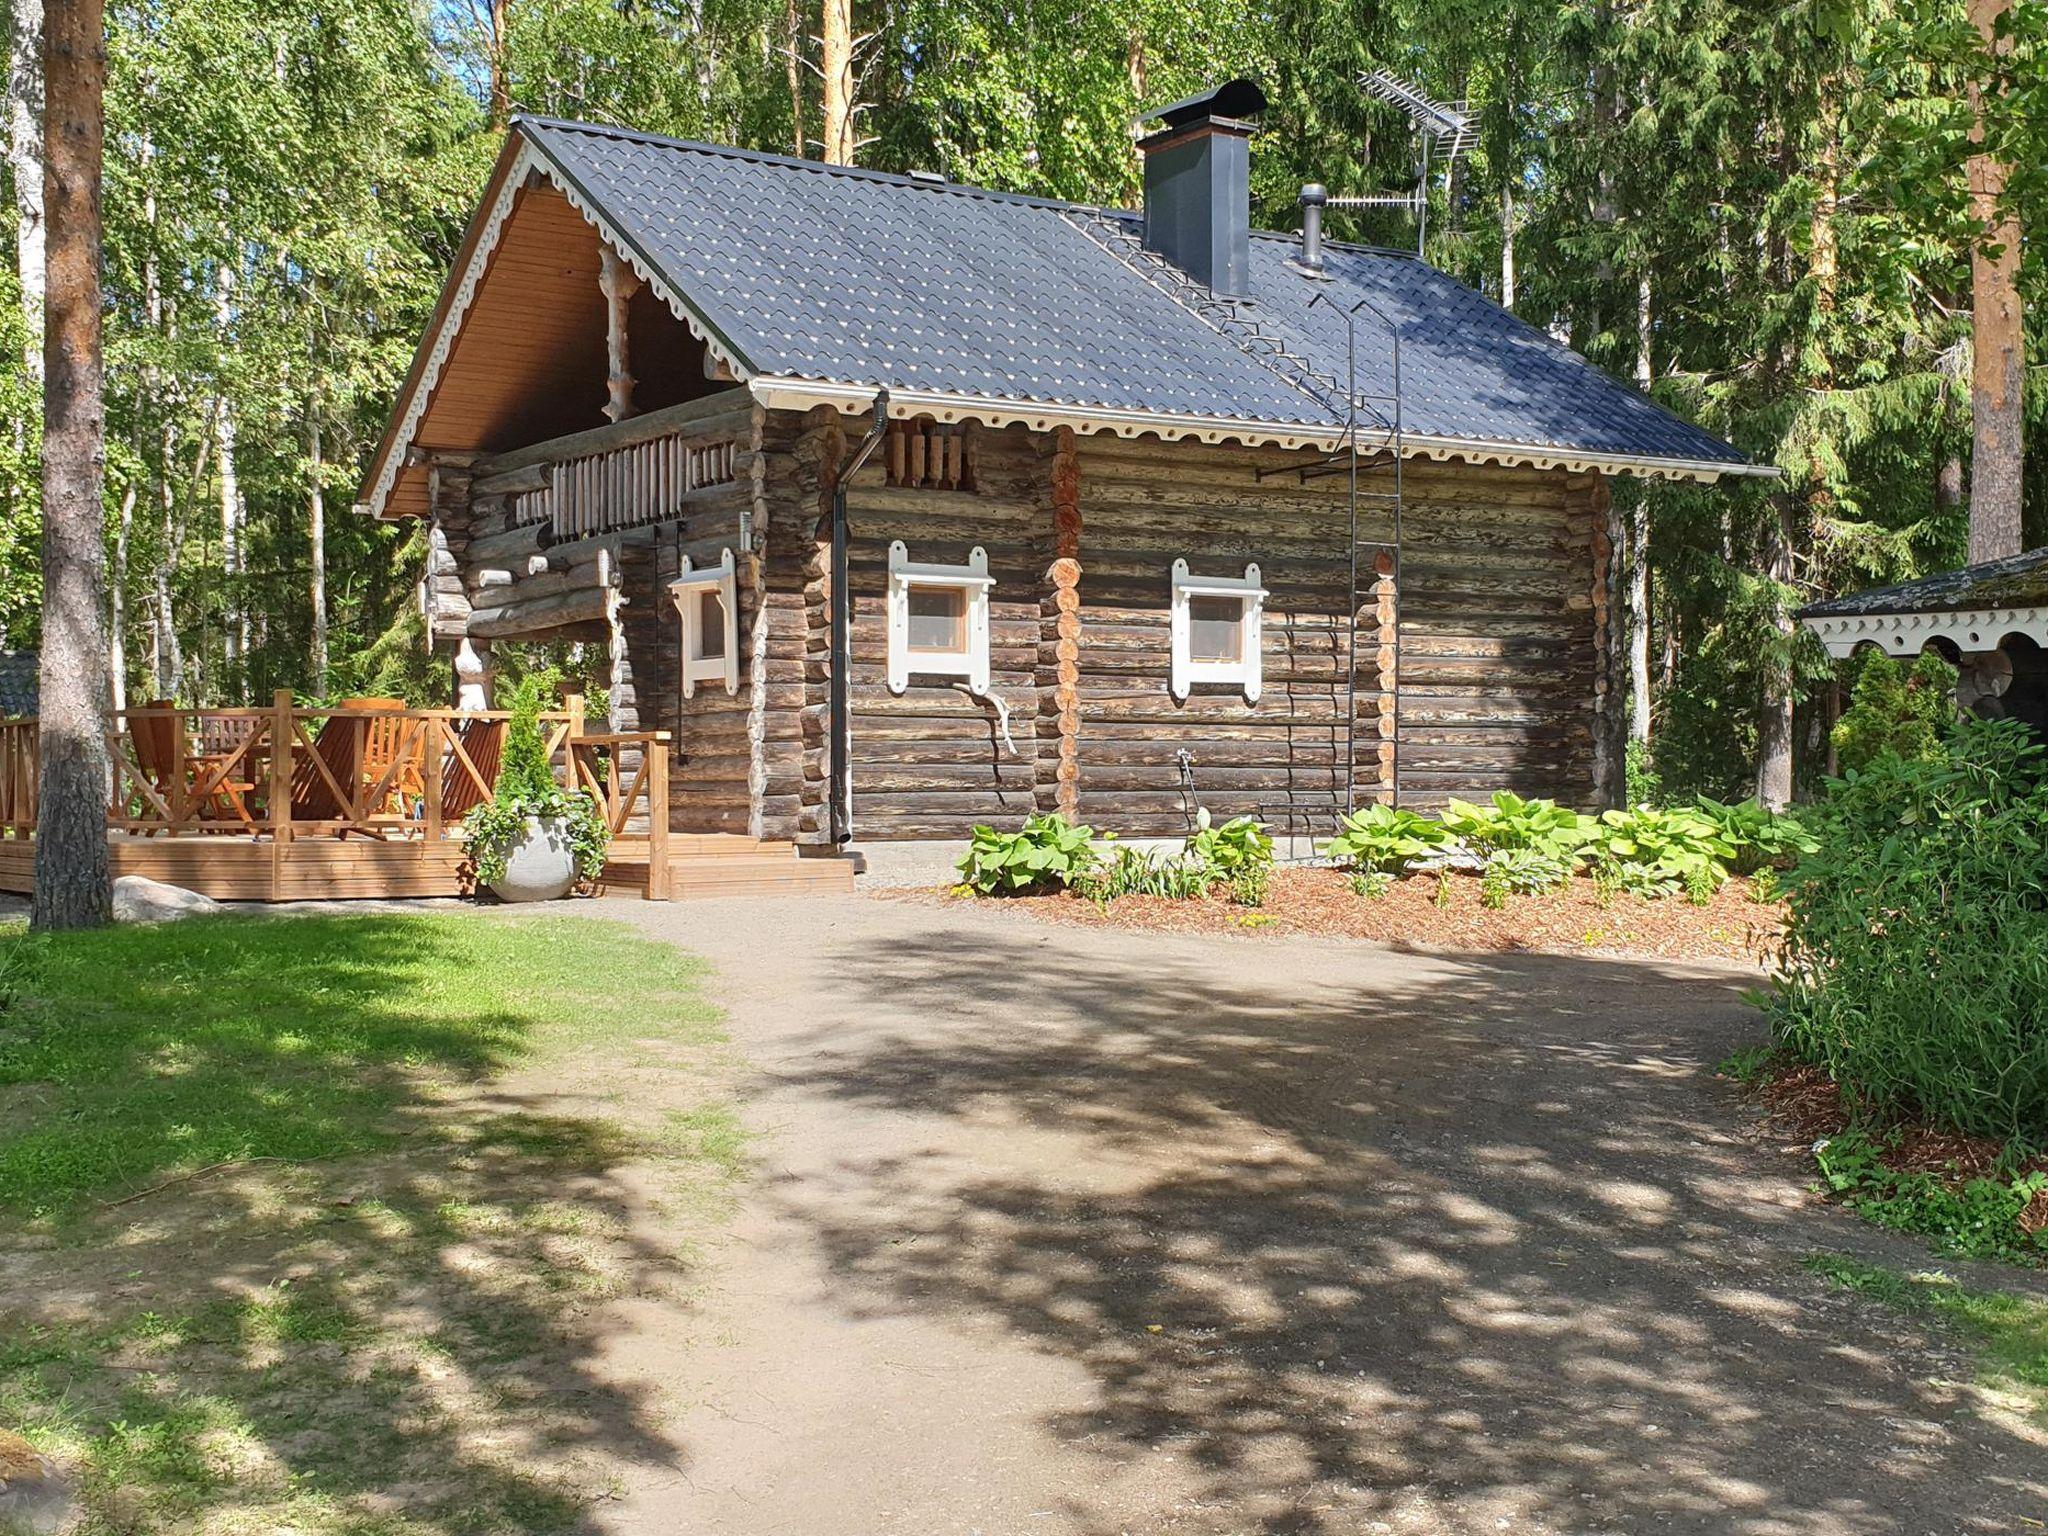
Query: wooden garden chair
(227, 768)
(158, 734)
(393, 771)
(477, 745)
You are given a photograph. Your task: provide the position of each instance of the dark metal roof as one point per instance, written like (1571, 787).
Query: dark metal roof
(852, 276)
(20, 683)
(2017, 581)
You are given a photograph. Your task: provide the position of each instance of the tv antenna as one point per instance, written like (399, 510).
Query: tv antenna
(1445, 132)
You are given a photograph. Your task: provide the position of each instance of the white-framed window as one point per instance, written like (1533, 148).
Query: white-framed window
(1216, 623)
(711, 624)
(938, 619)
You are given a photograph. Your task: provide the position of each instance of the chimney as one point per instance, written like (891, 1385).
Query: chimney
(1198, 205)
(1313, 199)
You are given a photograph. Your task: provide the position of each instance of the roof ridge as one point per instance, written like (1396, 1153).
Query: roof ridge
(918, 183)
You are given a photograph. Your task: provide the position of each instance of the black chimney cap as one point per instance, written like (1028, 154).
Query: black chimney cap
(1233, 98)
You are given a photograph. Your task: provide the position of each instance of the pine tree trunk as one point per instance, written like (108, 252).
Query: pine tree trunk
(1998, 341)
(793, 68)
(501, 83)
(316, 527)
(835, 58)
(25, 158)
(72, 888)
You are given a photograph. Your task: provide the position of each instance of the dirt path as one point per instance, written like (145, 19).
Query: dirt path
(1083, 1231)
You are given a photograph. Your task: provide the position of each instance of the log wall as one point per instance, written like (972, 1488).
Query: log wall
(1502, 640)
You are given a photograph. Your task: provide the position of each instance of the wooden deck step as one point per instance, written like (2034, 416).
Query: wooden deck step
(710, 865)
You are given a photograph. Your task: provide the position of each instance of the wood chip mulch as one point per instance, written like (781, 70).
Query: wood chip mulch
(1572, 920)
(1802, 1106)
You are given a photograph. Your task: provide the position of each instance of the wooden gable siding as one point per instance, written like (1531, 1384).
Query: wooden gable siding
(528, 362)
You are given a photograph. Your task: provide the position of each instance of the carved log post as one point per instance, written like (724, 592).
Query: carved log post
(1386, 620)
(619, 283)
(472, 675)
(1059, 682)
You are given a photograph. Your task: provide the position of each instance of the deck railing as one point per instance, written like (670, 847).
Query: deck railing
(285, 772)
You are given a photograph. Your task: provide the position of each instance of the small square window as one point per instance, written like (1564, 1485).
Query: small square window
(937, 619)
(707, 602)
(709, 639)
(1215, 629)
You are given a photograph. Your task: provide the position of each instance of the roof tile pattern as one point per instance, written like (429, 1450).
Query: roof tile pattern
(830, 273)
(2017, 581)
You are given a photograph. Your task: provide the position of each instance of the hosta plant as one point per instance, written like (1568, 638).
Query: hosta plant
(1047, 852)
(1382, 839)
(1520, 872)
(1509, 821)
(1760, 839)
(1239, 853)
(1671, 850)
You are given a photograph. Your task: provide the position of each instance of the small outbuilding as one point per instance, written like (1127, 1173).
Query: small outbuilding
(904, 505)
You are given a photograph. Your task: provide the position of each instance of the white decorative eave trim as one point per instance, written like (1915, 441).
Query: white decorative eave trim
(1907, 634)
(792, 393)
(529, 162)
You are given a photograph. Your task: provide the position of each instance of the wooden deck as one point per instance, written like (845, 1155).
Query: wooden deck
(289, 804)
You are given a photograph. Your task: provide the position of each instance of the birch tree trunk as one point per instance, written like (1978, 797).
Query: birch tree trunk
(1774, 722)
(501, 83)
(25, 158)
(835, 58)
(1998, 341)
(117, 602)
(1507, 245)
(1636, 600)
(316, 538)
(72, 888)
(235, 621)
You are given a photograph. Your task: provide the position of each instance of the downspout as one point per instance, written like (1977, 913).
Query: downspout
(838, 799)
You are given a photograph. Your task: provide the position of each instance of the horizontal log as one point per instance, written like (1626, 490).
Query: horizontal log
(587, 603)
(727, 410)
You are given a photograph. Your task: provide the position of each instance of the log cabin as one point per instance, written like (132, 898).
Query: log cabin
(906, 505)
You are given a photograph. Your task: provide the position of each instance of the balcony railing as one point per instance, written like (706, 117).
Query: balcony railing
(627, 487)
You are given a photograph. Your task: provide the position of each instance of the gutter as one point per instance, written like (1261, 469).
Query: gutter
(839, 787)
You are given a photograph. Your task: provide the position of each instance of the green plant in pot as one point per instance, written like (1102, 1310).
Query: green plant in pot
(533, 840)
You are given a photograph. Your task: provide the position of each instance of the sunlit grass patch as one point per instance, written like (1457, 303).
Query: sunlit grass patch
(162, 1050)
(2009, 1332)
(374, 1321)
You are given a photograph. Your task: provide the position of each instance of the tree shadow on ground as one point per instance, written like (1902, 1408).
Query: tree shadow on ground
(1464, 1240)
(405, 1329)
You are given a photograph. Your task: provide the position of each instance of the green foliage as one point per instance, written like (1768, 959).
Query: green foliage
(293, 1037)
(1384, 839)
(1749, 1065)
(527, 792)
(1510, 822)
(1644, 785)
(1896, 711)
(1978, 1218)
(1048, 851)
(1663, 850)
(1239, 853)
(1761, 840)
(1915, 969)
(1133, 872)
(1520, 872)
(1372, 883)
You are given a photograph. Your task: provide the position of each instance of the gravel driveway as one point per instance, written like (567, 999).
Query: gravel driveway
(1067, 1230)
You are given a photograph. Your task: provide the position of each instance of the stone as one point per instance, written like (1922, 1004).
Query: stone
(36, 1498)
(141, 900)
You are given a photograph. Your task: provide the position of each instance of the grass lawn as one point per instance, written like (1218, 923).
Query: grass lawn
(311, 1223)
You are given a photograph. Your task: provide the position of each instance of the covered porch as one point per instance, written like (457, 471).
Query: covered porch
(366, 799)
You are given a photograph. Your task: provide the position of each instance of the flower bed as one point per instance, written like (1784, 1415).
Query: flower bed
(1573, 919)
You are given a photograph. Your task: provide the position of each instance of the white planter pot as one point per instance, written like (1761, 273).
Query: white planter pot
(541, 866)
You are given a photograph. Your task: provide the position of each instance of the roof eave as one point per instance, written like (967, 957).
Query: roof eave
(798, 393)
